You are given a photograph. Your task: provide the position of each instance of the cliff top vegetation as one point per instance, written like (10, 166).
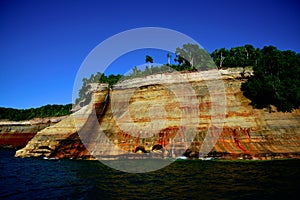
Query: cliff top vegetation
(13, 114)
(276, 79)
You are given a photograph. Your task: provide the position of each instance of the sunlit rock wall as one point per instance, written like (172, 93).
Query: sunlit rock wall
(139, 114)
(16, 134)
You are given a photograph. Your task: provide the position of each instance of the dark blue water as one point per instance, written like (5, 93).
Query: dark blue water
(77, 179)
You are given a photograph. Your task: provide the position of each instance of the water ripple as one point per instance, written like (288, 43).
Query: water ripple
(77, 179)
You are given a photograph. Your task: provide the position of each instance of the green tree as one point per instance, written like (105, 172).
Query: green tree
(169, 58)
(219, 56)
(275, 81)
(149, 60)
(188, 55)
(241, 56)
(192, 57)
(135, 71)
(147, 71)
(251, 55)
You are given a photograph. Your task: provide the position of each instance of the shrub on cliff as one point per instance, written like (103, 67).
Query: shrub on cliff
(276, 80)
(95, 78)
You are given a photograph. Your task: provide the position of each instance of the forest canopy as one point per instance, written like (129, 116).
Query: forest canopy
(13, 114)
(276, 79)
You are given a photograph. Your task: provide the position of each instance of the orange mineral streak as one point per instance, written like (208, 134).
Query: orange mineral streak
(246, 132)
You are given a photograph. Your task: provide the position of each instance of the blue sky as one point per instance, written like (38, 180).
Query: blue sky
(43, 43)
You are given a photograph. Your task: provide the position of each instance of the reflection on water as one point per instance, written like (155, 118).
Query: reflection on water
(75, 179)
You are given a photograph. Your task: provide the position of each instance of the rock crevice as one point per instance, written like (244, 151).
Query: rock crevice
(140, 114)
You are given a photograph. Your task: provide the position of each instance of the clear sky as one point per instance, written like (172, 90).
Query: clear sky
(43, 43)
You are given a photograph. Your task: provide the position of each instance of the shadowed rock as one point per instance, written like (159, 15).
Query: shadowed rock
(140, 149)
(248, 133)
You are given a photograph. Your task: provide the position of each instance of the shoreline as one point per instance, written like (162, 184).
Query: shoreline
(247, 133)
(16, 134)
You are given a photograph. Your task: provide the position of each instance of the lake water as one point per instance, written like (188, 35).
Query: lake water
(186, 179)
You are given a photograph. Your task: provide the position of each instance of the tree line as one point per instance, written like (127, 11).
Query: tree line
(240, 56)
(13, 114)
(276, 79)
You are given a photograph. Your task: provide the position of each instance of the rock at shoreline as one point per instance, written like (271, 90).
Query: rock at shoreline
(247, 133)
(16, 134)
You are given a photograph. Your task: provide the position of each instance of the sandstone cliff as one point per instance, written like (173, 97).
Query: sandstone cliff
(144, 114)
(16, 134)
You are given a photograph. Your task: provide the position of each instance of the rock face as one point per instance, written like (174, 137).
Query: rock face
(17, 134)
(165, 110)
(60, 140)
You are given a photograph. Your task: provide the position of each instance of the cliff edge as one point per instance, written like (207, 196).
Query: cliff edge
(148, 107)
(16, 134)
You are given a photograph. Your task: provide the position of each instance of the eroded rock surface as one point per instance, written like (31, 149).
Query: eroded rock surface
(141, 113)
(16, 134)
